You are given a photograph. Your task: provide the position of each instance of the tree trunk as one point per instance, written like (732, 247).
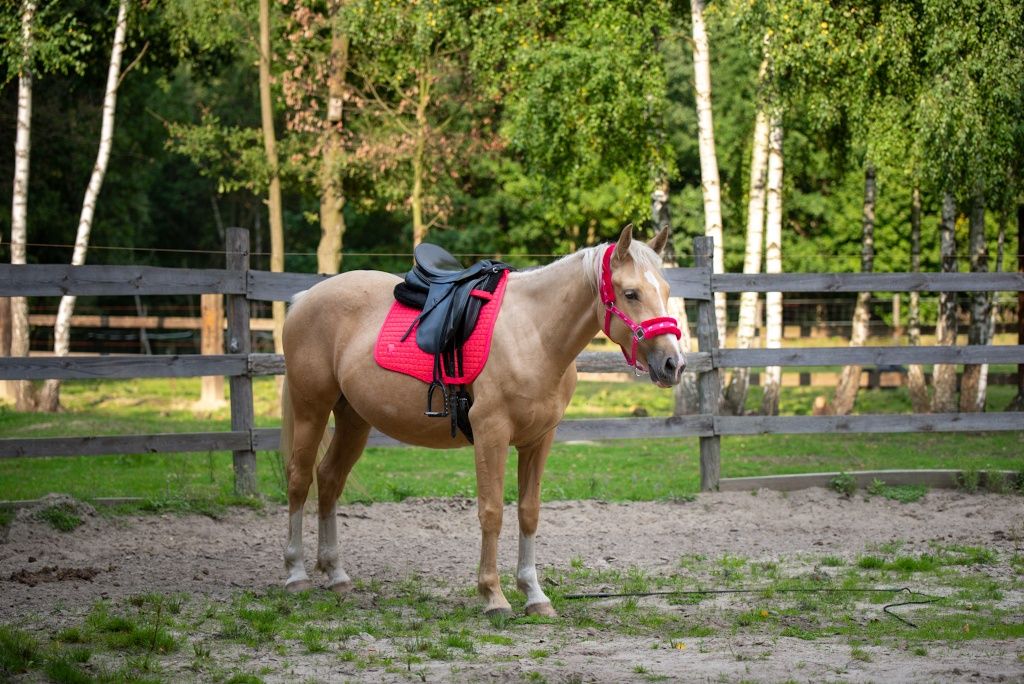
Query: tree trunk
(62, 328)
(1017, 403)
(849, 380)
(332, 197)
(773, 264)
(708, 159)
(944, 375)
(972, 399)
(419, 229)
(24, 394)
(685, 393)
(735, 397)
(919, 400)
(993, 307)
(270, 148)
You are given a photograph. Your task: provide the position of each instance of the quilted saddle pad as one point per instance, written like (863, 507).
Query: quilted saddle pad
(404, 356)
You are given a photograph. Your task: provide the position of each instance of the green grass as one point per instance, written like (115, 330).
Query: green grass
(666, 469)
(399, 626)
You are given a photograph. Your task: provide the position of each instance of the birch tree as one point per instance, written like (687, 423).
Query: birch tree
(739, 383)
(708, 158)
(972, 394)
(944, 374)
(50, 399)
(23, 395)
(773, 264)
(849, 380)
(919, 399)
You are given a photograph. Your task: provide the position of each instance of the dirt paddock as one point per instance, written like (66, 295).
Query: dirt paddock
(49, 579)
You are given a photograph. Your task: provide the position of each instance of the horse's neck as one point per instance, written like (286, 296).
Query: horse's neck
(562, 301)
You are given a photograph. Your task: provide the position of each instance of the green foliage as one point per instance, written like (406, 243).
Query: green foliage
(901, 493)
(61, 517)
(18, 650)
(844, 483)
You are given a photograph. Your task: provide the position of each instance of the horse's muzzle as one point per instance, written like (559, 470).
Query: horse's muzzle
(666, 369)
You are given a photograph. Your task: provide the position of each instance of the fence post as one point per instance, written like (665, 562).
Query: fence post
(239, 342)
(212, 312)
(709, 385)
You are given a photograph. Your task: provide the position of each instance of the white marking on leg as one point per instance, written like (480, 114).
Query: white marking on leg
(328, 556)
(526, 572)
(653, 280)
(294, 562)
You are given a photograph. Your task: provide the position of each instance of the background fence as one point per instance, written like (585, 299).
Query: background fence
(242, 286)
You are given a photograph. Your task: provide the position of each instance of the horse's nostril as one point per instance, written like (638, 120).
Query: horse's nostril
(670, 366)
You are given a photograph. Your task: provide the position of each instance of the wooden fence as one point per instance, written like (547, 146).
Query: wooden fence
(242, 286)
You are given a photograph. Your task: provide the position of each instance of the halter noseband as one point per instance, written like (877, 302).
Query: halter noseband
(652, 327)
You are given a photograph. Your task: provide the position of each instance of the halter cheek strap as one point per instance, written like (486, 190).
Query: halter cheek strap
(652, 327)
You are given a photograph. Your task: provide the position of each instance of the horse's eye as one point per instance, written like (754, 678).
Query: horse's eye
(631, 295)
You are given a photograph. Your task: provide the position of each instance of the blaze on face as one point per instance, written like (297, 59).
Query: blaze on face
(641, 293)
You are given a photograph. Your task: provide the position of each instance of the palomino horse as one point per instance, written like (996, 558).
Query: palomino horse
(548, 316)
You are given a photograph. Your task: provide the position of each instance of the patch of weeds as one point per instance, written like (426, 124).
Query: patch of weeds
(832, 562)
(799, 633)
(65, 670)
(901, 493)
(922, 563)
(144, 632)
(539, 653)
(6, 516)
(640, 669)
(18, 650)
(244, 678)
(313, 640)
(460, 641)
(969, 480)
(870, 563)
(860, 654)
(60, 517)
(496, 639)
(919, 651)
(844, 484)
(996, 482)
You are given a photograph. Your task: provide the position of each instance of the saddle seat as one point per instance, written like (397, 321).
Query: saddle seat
(449, 296)
(449, 299)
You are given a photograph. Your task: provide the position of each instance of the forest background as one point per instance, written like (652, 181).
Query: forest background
(523, 129)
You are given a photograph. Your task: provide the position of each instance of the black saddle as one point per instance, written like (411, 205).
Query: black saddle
(443, 291)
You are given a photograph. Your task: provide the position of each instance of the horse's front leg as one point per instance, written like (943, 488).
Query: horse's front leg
(531, 468)
(490, 486)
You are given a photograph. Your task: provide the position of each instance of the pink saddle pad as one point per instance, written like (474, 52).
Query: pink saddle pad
(404, 356)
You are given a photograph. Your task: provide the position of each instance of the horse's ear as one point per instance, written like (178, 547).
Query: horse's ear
(659, 241)
(622, 246)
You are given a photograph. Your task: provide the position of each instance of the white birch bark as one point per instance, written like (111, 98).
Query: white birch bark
(944, 374)
(972, 394)
(62, 328)
(736, 392)
(773, 264)
(21, 391)
(993, 313)
(708, 159)
(919, 400)
(849, 380)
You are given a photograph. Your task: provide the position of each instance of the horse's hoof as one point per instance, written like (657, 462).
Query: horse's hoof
(297, 586)
(541, 609)
(341, 587)
(498, 612)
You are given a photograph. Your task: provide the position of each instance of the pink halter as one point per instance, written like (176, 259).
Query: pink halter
(652, 327)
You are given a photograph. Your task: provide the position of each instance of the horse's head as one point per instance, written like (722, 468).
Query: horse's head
(634, 307)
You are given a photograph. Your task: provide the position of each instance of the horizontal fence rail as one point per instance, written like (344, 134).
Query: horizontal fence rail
(242, 286)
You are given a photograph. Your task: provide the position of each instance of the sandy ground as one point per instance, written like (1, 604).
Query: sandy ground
(52, 577)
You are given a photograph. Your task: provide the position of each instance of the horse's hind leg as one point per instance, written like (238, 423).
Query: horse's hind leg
(531, 469)
(350, 434)
(303, 427)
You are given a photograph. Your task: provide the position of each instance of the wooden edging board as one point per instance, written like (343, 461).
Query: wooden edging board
(942, 479)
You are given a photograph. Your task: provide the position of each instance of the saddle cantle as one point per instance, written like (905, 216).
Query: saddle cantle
(449, 299)
(444, 291)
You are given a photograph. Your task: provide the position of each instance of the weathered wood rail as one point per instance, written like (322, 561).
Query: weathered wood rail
(242, 286)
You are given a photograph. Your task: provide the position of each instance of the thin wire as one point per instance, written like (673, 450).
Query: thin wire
(929, 598)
